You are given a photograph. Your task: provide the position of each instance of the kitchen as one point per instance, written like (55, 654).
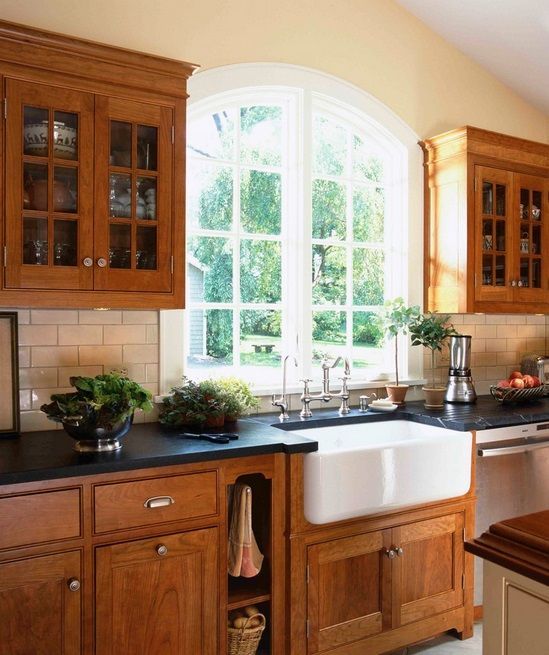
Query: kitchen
(379, 48)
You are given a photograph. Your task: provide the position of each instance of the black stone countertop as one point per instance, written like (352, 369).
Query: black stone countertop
(48, 455)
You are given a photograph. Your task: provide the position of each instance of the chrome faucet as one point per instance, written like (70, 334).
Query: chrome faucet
(326, 395)
(282, 400)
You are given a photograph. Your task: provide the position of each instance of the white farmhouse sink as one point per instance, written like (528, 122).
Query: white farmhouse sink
(366, 468)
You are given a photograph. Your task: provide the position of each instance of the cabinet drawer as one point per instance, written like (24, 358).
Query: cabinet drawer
(125, 505)
(39, 518)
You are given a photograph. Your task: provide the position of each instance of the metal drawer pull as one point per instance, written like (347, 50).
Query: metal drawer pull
(73, 584)
(511, 450)
(158, 501)
(161, 549)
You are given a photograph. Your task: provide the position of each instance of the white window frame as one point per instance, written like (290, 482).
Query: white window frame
(405, 206)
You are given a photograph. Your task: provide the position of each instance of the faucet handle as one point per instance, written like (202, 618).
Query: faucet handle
(306, 384)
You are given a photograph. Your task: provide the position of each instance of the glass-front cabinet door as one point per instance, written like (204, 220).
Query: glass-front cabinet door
(494, 237)
(133, 215)
(49, 187)
(530, 276)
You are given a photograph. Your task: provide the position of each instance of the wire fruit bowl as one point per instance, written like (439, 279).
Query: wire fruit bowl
(511, 395)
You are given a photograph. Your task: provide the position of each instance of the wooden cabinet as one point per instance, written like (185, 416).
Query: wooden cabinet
(486, 223)
(93, 214)
(40, 605)
(176, 608)
(389, 579)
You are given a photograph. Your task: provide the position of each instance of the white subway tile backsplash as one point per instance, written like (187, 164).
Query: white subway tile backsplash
(38, 335)
(99, 317)
(65, 373)
(37, 378)
(54, 316)
(140, 317)
(125, 334)
(80, 335)
(141, 354)
(105, 355)
(54, 356)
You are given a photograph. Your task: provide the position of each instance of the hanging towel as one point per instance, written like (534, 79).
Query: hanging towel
(245, 558)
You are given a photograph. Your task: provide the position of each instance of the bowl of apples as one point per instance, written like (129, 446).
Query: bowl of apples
(518, 388)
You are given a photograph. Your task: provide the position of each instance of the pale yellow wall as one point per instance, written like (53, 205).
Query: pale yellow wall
(374, 44)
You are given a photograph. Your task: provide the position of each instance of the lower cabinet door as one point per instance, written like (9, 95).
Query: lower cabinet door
(348, 590)
(40, 606)
(428, 573)
(158, 596)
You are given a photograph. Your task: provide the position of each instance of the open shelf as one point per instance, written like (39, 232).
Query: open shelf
(249, 591)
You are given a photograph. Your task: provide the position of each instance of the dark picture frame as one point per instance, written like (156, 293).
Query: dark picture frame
(9, 375)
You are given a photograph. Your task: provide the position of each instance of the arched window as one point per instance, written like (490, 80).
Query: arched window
(298, 223)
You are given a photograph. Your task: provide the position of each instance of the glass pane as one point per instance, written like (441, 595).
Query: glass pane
(65, 243)
(500, 200)
(120, 195)
(147, 147)
(535, 246)
(329, 275)
(260, 271)
(500, 271)
(536, 205)
(260, 336)
(329, 220)
(35, 241)
(260, 202)
(367, 340)
(536, 273)
(209, 196)
(145, 255)
(120, 251)
(487, 236)
(500, 235)
(487, 273)
(65, 189)
(65, 135)
(524, 238)
(261, 135)
(35, 131)
(35, 183)
(329, 147)
(525, 271)
(329, 334)
(121, 144)
(210, 269)
(146, 198)
(365, 165)
(487, 198)
(524, 203)
(368, 277)
(213, 135)
(368, 214)
(210, 338)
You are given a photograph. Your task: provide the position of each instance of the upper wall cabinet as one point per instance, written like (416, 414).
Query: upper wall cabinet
(486, 223)
(94, 173)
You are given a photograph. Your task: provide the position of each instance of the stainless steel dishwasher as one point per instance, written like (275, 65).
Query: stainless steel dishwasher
(512, 477)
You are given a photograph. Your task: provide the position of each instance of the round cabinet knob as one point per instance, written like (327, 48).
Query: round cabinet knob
(520, 284)
(101, 262)
(513, 283)
(73, 584)
(87, 261)
(390, 554)
(161, 549)
(399, 551)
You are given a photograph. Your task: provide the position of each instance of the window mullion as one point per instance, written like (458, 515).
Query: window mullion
(305, 306)
(349, 247)
(236, 247)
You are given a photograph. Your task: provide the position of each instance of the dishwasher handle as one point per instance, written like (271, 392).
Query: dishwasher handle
(512, 450)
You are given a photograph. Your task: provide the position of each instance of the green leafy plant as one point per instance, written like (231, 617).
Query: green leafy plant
(238, 398)
(192, 404)
(431, 331)
(395, 318)
(103, 401)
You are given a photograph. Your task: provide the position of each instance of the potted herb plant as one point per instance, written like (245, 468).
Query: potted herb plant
(395, 319)
(431, 331)
(238, 398)
(193, 404)
(100, 412)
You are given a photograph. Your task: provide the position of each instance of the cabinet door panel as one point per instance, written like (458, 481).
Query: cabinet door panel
(346, 592)
(49, 198)
(494, 235)
(134, 202)
(159, 604)
(39, 614)
(428, 574)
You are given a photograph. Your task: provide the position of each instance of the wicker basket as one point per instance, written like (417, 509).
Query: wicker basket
(510, 395)
(244, 641)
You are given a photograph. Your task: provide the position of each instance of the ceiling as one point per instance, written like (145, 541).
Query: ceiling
(510, 38)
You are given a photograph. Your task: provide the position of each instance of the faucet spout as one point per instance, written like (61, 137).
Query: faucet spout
(282, 400)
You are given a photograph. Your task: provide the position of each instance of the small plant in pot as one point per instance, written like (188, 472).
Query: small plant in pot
(194, 405)
(431, 331)
(395, 319)
(100, 412)
(238, 398)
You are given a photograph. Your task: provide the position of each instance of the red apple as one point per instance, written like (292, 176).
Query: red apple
(517, 383)
(528, 381)
(537, 381)
(504, 384)
(515, 374)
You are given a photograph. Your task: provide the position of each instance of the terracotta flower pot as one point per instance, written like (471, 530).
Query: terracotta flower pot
(434, 397)
(397, 394)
